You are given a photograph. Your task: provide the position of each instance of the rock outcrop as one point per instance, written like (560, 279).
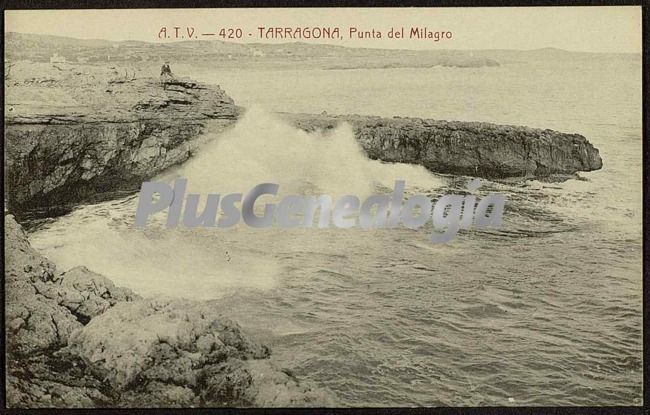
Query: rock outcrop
(73, 132)
(467, 148)
(78, 133)
(74, 339)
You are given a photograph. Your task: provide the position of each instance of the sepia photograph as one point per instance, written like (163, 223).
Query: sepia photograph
(323, 207)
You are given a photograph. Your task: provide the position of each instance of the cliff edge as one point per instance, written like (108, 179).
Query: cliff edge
(75, 131)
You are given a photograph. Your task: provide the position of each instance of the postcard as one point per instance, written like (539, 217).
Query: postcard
(323, 207)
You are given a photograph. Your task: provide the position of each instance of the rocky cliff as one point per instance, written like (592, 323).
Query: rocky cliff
(72, 132)
(74, 339)
(467, 148)
(80, 132)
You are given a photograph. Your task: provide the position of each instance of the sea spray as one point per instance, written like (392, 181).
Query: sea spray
(263, 148)
(198, 262)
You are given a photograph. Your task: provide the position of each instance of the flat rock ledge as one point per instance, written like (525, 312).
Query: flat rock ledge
(466, 148)
(75, 340)
(76, 131)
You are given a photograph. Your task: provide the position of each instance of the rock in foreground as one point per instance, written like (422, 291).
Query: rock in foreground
(167, 352)
(467, 148)
(74, 339)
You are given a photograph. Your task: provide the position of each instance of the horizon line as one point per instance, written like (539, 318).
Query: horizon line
(314, 44)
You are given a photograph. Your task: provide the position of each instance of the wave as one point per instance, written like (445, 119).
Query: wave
(207, 263)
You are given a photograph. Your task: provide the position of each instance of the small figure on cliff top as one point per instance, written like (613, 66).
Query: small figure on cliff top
(166, 74)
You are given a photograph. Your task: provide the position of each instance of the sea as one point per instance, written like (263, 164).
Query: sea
(545, 310)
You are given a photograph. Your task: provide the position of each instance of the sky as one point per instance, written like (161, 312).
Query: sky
(585, 29)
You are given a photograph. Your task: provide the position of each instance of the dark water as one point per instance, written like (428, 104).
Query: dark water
(544, 311)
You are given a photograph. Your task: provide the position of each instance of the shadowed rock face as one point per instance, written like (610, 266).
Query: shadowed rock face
(74, 339)
(467, 148)
(75, 132)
